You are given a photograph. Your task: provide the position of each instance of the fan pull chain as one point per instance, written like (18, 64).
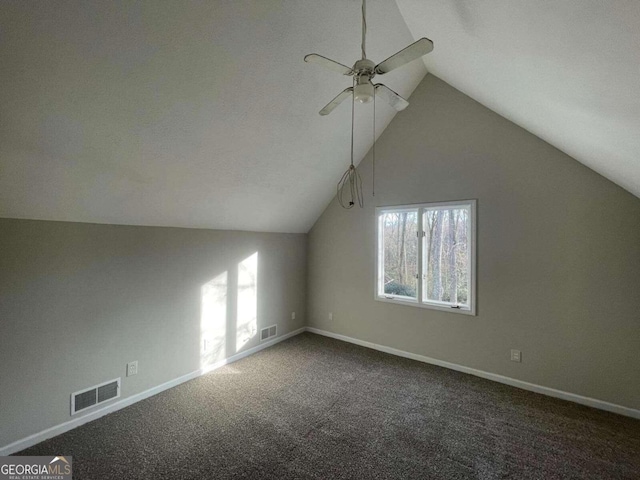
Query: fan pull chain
(353, 115)
(373, 188)
(351, 177)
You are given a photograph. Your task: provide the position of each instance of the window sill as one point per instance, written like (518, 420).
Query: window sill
(408, 302)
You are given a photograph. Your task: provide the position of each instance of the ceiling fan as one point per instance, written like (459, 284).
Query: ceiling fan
(364, 70)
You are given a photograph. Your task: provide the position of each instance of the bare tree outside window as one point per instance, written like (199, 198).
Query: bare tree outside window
(426, 255)
(447, 255)
(401, 253)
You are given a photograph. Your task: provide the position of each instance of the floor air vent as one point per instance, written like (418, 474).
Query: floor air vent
(92, 396)
(268, 332)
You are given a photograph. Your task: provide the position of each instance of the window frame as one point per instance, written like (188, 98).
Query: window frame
(419, 301)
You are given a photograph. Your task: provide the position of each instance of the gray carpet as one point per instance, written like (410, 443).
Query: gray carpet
(313, 407)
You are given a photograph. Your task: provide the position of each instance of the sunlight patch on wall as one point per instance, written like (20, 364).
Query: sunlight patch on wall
(247, 324)
(213, 321)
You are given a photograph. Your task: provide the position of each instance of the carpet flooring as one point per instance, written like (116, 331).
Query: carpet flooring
(317, 408)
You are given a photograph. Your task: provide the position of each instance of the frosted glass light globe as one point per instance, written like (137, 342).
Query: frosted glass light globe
(364, 92)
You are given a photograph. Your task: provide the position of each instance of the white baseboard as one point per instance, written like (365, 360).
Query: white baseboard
(552, 392)
(125, 402)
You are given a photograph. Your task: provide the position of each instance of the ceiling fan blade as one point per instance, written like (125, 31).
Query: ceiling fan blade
(328, 63)
(392, 98)
(413, 51)
(336, 101)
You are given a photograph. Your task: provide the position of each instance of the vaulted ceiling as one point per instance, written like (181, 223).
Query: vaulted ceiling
(203, 114)
(567, 71)
(189, 114)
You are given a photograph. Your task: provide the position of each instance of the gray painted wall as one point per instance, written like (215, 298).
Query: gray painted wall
(79, 301)
(558, 275)
(558, 253)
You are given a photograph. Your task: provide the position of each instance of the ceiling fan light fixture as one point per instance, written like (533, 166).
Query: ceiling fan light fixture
(364, 92)
(364, 70)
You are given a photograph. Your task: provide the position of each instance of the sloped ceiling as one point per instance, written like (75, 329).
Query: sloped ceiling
(189, 114)
(203, 114)
(568, 71)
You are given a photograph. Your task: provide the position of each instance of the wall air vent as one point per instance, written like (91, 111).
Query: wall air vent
(268, 332)
(92, 396)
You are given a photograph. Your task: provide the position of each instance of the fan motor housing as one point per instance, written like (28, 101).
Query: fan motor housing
(364, 67)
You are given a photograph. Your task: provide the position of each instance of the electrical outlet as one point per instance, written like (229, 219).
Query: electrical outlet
(516, 356)
(293, 315)
(132, 368)
(330, 316)
(205, 345)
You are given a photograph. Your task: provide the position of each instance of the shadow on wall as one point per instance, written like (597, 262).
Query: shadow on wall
(229, 312)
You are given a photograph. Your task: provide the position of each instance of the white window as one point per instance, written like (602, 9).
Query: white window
(426, 255)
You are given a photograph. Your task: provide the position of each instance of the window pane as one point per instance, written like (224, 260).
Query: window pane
(446, 250)
(400, 243)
